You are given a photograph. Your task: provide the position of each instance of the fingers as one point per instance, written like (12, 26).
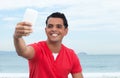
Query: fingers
(24, 23)
(23, 29)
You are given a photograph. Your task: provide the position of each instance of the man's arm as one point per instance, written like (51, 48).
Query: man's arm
(23, 29)
(77, 75)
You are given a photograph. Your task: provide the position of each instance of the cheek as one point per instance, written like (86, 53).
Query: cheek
(65, 33)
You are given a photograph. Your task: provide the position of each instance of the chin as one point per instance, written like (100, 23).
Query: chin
(54, 41)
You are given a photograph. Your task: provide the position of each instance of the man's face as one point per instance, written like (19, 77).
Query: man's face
(55, 29)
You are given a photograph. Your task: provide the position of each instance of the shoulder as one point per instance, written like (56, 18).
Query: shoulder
(67, 49)
(38, 49)
(70, 53)
(38, 45)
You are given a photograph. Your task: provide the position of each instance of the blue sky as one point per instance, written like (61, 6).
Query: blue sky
(94, 25)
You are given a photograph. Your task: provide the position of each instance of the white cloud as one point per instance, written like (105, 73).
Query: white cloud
(8, 4)
(94, 15)
(83, 15)
(9, 19)
(113, 4)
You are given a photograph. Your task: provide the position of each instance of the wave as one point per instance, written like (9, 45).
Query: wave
(86, 75)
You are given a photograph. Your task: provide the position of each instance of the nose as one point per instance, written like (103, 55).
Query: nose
(54, 28)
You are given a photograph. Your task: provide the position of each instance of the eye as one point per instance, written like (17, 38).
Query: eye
(59, 26)
(50, 26)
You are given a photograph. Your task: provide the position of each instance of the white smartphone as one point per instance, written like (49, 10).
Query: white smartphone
(30, 15)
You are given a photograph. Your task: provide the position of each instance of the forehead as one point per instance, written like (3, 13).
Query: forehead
(55, 20)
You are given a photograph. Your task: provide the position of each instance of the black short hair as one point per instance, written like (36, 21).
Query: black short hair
(58, 15)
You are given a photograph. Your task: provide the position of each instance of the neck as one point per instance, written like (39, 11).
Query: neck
(54, 46)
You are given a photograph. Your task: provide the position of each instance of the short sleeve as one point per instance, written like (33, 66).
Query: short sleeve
(35, 47)
(38, 48)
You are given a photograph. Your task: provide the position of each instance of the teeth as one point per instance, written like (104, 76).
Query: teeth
(54, 35)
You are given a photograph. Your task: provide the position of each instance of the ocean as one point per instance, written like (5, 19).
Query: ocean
(10, 63)
(100, 63)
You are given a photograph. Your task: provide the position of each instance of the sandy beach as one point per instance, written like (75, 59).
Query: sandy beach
(13, 75)
(86, 75)
(102, 75)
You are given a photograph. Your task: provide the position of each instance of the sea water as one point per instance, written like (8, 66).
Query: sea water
(100, 63)
(10, 62)
(104, 66)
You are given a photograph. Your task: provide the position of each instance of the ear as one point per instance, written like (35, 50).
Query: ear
(66, 31)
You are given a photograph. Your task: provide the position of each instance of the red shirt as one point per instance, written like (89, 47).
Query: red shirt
(43, 65)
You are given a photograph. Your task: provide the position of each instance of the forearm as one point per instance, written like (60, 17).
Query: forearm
(23, 29)
(20, 45)
(77, 75)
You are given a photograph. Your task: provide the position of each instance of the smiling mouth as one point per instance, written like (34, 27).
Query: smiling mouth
(54, 35)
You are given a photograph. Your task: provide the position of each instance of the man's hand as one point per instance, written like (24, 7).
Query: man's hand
(23, 29)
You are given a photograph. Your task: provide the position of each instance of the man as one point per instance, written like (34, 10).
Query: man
(50, 58)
